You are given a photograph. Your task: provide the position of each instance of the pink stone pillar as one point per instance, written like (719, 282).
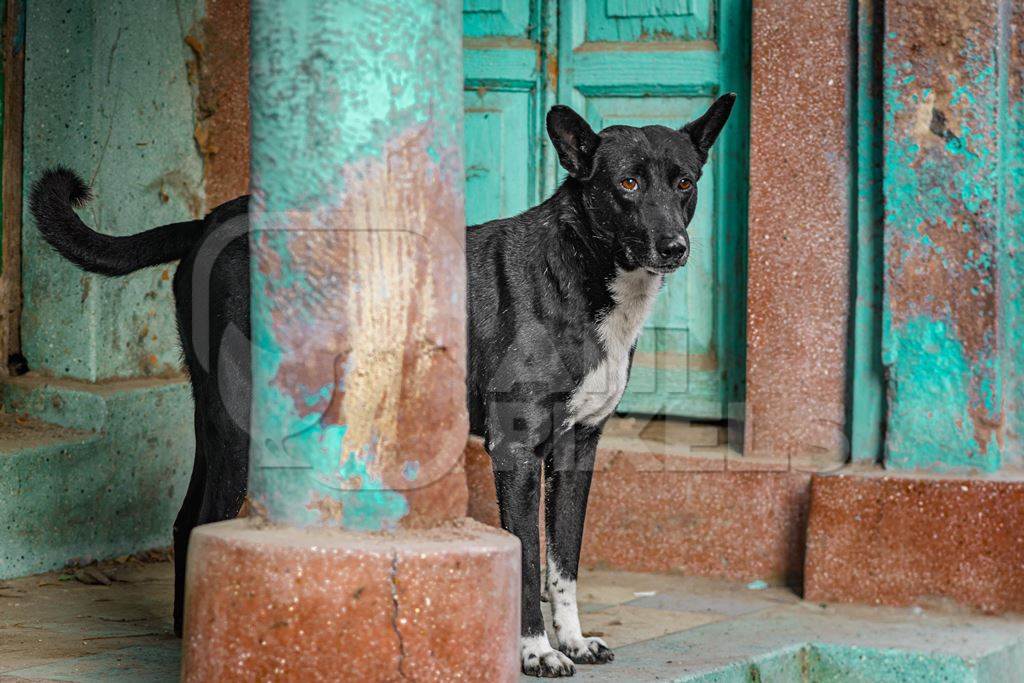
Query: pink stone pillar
(798, 282)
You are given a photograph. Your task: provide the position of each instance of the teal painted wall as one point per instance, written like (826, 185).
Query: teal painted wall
(107, 93)
(936, 380)
(1011, 256)
(105, 479)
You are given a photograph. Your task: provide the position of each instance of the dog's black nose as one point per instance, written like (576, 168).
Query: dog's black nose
(673, 249)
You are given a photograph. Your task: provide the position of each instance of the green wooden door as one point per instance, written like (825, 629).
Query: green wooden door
(503, 99)
(632, 62)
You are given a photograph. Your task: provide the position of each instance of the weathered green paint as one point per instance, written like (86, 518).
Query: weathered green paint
(349, 99)
(866, 397)
(506, 18)
(1010, 260)
(504, 135)
(689, 354)
(804, 644)
(111, 487)
(830, 663)
(625, 62)
(107, 94)
(935, 406)
(946, 235)
(649, 20)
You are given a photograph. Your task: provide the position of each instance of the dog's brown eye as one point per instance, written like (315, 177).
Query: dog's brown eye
(685, 184)
(628, 184)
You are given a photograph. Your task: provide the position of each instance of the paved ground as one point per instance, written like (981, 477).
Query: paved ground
(56, 627)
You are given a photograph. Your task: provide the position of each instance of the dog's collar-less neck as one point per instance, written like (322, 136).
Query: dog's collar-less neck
(587, 255)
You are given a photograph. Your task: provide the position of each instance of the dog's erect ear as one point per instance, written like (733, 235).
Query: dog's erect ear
(574, 140)
(704, 131)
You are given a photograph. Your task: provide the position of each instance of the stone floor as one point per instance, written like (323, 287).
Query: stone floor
(111, 623)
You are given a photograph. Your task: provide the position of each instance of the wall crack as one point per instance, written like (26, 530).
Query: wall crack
(393, 579)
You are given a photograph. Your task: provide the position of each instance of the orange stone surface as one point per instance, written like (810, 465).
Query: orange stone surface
(274, 603)
(651, 512)
(917, 539)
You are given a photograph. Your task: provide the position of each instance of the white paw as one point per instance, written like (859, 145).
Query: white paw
(540, 659)
(587, 650)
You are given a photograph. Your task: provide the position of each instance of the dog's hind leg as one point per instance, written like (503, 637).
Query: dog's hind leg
(183, 525)
(517, 470)
(218, 485)
(567, 474)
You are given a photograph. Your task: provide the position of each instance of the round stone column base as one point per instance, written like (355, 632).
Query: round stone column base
(273, 603)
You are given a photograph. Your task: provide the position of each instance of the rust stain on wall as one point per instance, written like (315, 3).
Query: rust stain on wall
(222, 108)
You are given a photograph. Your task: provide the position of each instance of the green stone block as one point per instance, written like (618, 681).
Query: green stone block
(103, 476)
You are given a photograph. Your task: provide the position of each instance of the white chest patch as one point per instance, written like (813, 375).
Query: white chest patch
(597, 395)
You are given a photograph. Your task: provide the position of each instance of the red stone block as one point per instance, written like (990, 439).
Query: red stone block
(731, 524)
(483, 499)
(320, 604)
(915, 539)
(652, 512)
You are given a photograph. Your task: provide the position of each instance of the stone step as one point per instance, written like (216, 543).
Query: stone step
(21, 433)
(89, 471)
(901, 538)
(805, 642)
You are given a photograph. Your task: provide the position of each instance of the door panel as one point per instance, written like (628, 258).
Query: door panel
(640, 62)
(481, 18)
(647, 20)
(500, 63)
(496, 125)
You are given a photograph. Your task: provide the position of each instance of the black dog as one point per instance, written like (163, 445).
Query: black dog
(557, 297)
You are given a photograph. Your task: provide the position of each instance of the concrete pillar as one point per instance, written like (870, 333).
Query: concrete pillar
(358, 267)
(359, 419)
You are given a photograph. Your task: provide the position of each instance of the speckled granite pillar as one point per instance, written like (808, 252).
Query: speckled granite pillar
(798, 282)
(356, 562)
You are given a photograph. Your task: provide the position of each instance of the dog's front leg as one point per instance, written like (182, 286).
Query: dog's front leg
(567, 473)
(517, 480)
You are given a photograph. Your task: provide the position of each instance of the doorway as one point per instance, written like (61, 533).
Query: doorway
(632, 62)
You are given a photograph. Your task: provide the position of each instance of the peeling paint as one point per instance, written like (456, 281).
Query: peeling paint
(934, 389)
(358, 268)
(944, 224)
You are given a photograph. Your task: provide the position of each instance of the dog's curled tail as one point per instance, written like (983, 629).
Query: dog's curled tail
(52, 202)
